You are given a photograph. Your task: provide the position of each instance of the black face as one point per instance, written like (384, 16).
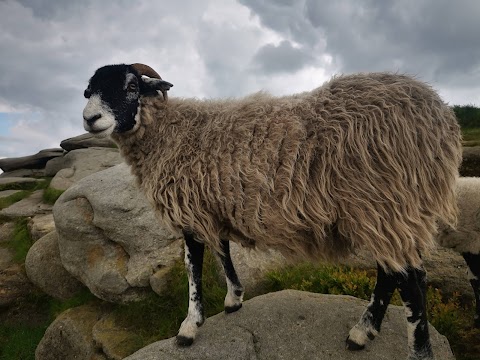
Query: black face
(118, 88)
(113, 93)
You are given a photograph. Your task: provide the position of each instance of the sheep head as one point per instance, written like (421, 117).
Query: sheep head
(114, 93)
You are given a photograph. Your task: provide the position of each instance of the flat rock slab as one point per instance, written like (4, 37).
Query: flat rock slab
(7, 193)
(85, 141)
(36, 161)
(29, 206)
(293, 325)
(16, 180)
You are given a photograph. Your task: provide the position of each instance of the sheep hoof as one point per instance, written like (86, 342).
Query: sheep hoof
(184, 341)
(352, 345)
(231, 309)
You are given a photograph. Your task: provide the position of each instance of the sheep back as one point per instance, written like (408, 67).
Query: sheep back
(365, 160)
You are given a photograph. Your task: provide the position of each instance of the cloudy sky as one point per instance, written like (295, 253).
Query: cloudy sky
(220, 48)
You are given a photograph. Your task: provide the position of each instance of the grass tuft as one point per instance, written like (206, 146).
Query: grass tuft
(12, 199)
(50, 195)
(21, 240)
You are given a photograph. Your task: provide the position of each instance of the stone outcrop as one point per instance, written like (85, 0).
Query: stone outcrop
(44, 269)
(41, 225)
(69, 337)
(36, 161)
(109, 238)
(80, 163)
(86, 141)
(30, 206)
(293, 325)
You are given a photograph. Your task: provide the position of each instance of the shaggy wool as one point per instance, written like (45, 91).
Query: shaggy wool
(364, 160)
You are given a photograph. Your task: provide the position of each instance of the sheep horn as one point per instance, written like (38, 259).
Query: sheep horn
(146, 70)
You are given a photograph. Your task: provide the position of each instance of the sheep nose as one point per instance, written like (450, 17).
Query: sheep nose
(90, 120)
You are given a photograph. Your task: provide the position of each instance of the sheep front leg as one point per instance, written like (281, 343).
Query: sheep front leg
(193, 262)
(369, 325)
(234, 298)
(473, 262)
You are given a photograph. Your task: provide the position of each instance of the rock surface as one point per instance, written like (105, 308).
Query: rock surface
(293, 325)
(80, 163)
(108, 236)
(36, 161)
(16, 180)
(69, 337)
(85, 141)
(24, 173)
(7, 193)
(30, 206)
(45, 270)
(41, 225)
(14, 284)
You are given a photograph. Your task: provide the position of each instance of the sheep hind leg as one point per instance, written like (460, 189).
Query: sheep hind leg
(473, 262)
(413, 291)
(234, 297)
(369, 324)
(193, 262)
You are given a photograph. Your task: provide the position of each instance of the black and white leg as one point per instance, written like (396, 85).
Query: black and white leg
(234, 297)
(371, 320)
(473, 262)
(193, 262)
(413, 290)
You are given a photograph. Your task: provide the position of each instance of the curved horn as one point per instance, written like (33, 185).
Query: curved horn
(146, 70)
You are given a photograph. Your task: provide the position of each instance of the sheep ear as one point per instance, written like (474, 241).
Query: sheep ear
(156, 84)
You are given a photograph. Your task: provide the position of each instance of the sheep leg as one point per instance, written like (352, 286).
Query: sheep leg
(413, 290)
(473, 262)
(193, 262)
(234, 297)
(369, 325)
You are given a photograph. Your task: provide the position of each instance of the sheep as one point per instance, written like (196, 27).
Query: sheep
(364, 160)
(465, 239)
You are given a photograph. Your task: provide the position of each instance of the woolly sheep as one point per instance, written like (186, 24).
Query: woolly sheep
(364, 160)
(465, 239)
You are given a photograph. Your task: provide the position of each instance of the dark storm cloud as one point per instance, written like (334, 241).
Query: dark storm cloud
(435, 39)
(284, 58)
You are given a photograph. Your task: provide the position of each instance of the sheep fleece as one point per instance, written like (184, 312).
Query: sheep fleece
(364, 160)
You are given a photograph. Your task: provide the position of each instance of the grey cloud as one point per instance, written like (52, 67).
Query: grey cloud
(436, 39)
(284, 58)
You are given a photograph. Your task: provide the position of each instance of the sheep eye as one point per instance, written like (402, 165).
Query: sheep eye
(132, 87)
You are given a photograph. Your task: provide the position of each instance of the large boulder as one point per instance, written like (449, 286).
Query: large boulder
(293, 325)
(109, 237)
(36, 161)
(69, 337)
(85, 141)
(80, 163)
(45, 270)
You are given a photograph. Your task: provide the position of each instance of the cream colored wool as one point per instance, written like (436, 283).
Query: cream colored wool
(365, 160)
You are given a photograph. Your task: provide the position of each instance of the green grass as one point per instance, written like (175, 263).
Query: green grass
(12, 199)
(51, 195)
(21, 240)
(471, 136)
(18, 342)
(31, 186)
